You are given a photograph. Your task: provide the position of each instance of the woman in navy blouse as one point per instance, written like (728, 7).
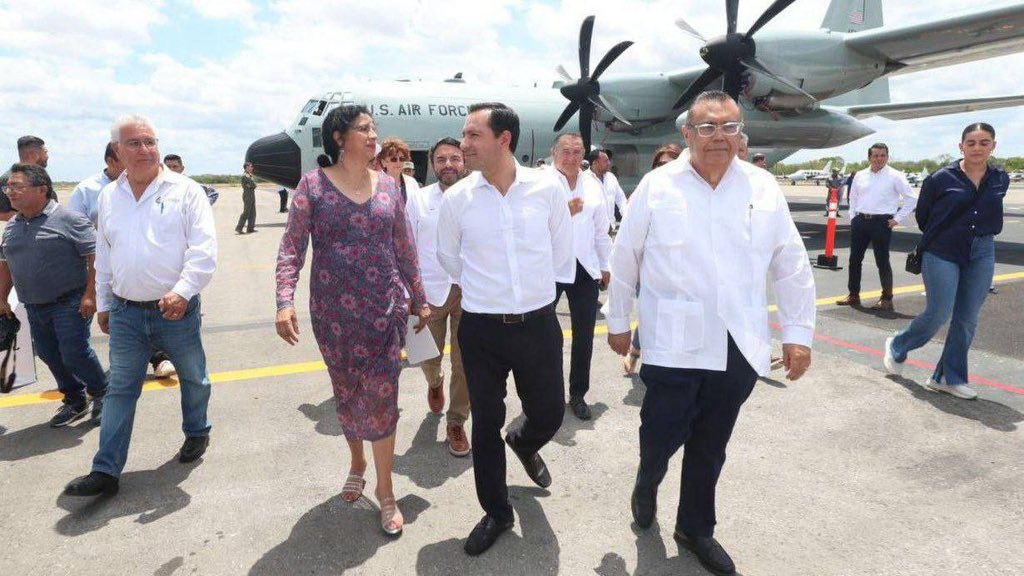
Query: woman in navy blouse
(959, 211)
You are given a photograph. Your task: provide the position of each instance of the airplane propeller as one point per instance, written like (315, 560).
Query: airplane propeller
(733, 54)
(584, 94)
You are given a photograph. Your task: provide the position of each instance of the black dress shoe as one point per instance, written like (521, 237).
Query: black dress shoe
(644, 504)
(709, 552)
(534, 465)
(580, 408)
(92, 485)
(193, 448)
(484, 534)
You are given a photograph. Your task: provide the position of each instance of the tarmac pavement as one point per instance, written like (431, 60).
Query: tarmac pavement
(843, 472)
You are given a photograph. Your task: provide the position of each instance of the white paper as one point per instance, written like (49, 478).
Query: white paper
(419, 346)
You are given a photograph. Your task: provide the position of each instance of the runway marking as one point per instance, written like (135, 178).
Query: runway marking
(319, 366)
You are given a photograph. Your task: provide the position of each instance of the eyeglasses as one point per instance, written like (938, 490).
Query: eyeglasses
(396, 159)
(708, 129)
(139, 144)
(18, 187)
(365, 128)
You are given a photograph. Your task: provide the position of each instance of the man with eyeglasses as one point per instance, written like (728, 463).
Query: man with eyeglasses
(443, 293)
(600, 169)
(592, 245)
(59, 297)
(248, 217)
(156, 249)
(31, 150)
(701, 237)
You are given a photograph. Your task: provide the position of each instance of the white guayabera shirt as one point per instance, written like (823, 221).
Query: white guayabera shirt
(702, 258)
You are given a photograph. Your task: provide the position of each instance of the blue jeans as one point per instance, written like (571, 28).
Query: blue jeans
(954, 292)
(133, 331)
(61, 339)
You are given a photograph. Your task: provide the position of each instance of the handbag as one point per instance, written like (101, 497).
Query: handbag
(914, 261)
(9, 326)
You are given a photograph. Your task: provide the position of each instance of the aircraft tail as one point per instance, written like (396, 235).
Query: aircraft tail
(853, 15)
(828, 167)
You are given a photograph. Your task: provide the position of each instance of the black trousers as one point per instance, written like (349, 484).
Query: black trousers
(697, 408)
(876, 232)
(532, 351)
(283, 194)
(582, 295)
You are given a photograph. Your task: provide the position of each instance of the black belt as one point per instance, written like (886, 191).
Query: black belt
(517, 318)
(870, 216)
(147, 305)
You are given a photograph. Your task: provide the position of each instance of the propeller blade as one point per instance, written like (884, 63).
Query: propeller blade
(685, 27)
(610, 57)
(732, 7)
(586, 123)
(697, 86)
(586, 32)
(566, 114)
(561, 71)
(754, 65)
(603, 102)
(774, 10)
(733, 83)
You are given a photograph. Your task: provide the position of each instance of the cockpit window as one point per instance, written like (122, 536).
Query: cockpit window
(320, 107)
(309, 107)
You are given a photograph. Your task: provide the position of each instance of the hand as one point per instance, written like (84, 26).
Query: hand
(424, 315)
(287, 325)
(796, 358)
(87, 307)
(575, 206)
(103, 319)
(173, 306)
(892, 223)
(620, 342)
(606, 277)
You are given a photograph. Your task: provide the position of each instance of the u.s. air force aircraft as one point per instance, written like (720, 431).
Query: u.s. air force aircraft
(799, 89)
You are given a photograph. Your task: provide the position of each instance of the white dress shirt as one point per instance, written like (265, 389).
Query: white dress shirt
(506, 252)
(882, 192)
(701, 257)
(613, 194)
(592, 244)
(85, 196)
(165, 241)
(423, 210)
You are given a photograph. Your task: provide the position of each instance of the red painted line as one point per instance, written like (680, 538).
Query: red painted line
(912, 362)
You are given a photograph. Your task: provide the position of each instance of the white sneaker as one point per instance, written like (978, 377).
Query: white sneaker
(164, 370)
(959, 390)
(889, 361)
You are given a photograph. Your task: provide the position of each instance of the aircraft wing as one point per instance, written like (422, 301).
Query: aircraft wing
(908, 110)
(980, 34)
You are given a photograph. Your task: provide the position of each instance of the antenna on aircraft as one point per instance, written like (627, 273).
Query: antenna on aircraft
(733, 54)
(584, 95)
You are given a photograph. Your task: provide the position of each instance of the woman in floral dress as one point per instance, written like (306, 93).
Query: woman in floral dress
(363, 274)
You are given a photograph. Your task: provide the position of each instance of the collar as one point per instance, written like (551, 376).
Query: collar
(524, 175)
(164, 175)
(50, 207)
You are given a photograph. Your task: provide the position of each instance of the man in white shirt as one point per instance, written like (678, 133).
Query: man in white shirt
(701, 237)
(443, 293)
(592, 245)
(600, 169)
(880, 198)
(505, 235)
(156, 249)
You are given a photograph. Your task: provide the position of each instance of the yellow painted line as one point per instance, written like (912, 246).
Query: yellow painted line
(319, 366)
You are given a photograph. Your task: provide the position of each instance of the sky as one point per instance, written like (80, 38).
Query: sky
(215, 75)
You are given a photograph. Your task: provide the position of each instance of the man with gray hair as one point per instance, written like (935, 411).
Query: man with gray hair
(31, 150)
(59, 297)
(705, 332)
(156, 249)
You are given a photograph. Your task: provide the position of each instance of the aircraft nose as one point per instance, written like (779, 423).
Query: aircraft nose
(276, 158)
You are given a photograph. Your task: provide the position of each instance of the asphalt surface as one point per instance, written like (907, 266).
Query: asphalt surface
(845, 471)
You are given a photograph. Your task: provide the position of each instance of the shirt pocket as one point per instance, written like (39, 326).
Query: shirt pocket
(668, 226)
(679, 326)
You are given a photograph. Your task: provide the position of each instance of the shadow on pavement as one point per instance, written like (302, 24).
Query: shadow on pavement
(652, 557)
(333, 537)
(323, 416)
(535, 552)
(41, 439)
(992, 414)
(635, 395)
(149, 494)
(427, 462)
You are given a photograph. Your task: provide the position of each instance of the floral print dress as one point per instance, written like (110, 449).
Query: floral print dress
(364, 271)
